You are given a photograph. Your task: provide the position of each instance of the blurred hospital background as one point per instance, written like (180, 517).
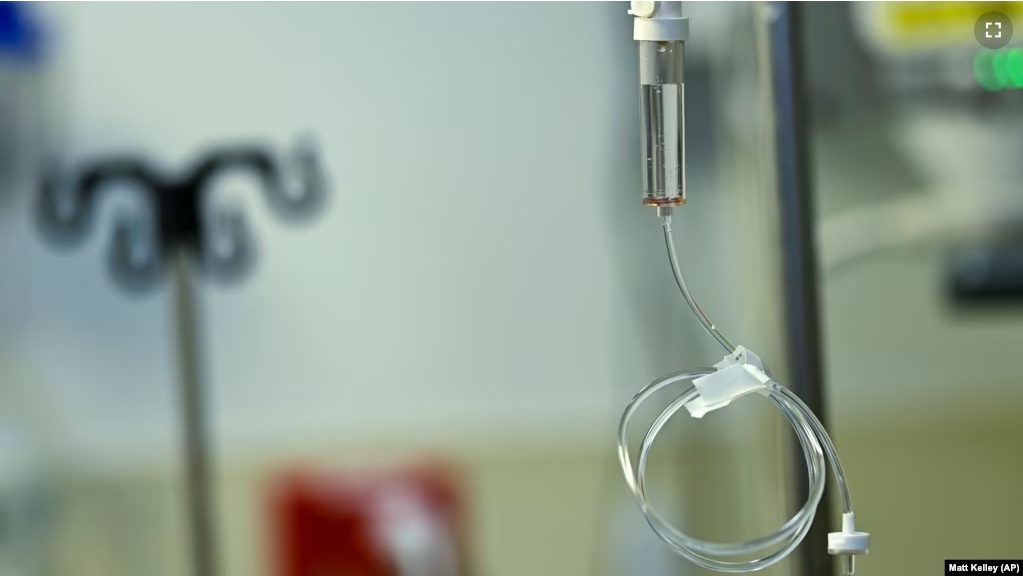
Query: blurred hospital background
(438, 359)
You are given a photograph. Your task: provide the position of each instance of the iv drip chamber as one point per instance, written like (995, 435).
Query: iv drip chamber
(662, 110)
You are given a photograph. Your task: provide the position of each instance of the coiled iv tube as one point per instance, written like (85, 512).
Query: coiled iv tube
(814, 440)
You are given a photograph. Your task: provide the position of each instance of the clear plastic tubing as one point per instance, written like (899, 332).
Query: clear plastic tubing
(731, 557)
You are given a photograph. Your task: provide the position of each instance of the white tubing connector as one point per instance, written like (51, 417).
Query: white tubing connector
(848, 542)
(659, 22)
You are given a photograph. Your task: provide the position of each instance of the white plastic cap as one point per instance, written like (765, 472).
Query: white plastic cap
(848, 542)
(659, 22)
(642, 9)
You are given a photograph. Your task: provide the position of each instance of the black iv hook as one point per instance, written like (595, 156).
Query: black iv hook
(182, 236)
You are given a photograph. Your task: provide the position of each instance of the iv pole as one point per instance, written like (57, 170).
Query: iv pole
(198, 465)
(183, 241)
(799, 258)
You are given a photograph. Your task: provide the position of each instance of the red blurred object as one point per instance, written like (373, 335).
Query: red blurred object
(397, 523)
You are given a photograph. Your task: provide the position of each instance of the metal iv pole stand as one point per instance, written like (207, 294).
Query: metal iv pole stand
(195, 423)
(799, 259)
(183, 240)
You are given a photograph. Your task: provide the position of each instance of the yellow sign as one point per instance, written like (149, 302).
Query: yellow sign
(912, 26)
(926, 18)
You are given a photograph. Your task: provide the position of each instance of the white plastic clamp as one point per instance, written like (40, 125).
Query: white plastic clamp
(848, 542)
(740, 373)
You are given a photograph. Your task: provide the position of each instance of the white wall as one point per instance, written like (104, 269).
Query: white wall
(484, 261)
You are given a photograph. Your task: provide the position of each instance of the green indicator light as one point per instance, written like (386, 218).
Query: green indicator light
(1014, 66)
(1000, 69)
(983, 70)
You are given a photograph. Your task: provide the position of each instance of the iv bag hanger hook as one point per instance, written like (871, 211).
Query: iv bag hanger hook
(182, 235)
(67, 210)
